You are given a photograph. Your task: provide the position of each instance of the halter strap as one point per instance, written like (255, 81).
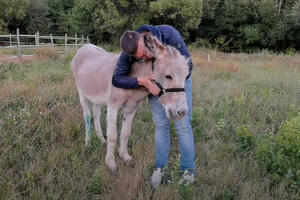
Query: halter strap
(162, 89)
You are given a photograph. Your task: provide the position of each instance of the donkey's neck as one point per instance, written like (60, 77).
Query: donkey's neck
(141, 69)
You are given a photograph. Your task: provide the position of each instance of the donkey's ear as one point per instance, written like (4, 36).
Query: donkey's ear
(154, 45)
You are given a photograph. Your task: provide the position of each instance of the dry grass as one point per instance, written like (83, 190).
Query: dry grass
(45, 52)
(42, 149)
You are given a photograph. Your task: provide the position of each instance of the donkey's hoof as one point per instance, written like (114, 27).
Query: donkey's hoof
(113, 171)
(111, 166)
(87, 141)
(125, 157)
(130, 163)
(103, 141)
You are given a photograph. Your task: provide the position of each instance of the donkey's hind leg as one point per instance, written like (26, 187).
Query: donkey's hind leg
(86, 116)
(125, 133)
(97, 114)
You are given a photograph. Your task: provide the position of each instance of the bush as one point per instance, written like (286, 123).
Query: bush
(95, 185)
(246, 139)
(280, 154)
(204, 43)
(47, 53)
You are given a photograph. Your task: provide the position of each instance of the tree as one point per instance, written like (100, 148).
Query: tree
(59, 14)
(238, 25)
(113, 17)
(12, 10)
(294, 26)
(185, 15)
(37, 17)
(80, 18)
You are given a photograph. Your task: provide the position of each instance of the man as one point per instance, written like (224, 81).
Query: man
(134, 49)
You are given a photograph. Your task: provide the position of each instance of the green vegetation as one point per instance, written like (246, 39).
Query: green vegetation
(246, 126)
(231, 25)
(279, 154)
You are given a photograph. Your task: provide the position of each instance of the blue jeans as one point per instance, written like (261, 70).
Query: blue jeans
(184, 131)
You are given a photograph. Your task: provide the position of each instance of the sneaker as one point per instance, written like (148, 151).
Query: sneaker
(187, 178)
(156, 177)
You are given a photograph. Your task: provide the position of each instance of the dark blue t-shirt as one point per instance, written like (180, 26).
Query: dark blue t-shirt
(167, 35)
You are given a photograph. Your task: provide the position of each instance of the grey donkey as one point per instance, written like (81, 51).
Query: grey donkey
(93, 69)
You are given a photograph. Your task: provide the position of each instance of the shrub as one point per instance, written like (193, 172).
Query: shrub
(280, 154)
(204, 43)
(246, 139)
(47, 53)
(95, 185)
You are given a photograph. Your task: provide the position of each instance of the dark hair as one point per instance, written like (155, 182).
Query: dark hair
(129, 42)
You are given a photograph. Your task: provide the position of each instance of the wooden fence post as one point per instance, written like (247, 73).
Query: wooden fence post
(10, 44)
(66, 42)
(76, 41)
(18, 41)
(37, 39)
(51, 38)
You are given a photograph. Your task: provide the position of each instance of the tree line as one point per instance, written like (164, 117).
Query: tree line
(229, 25)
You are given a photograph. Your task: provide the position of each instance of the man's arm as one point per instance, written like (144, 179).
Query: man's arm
(120, 77)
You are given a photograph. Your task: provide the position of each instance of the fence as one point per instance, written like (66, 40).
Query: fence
(34, 42)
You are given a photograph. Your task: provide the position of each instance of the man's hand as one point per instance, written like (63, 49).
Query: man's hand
(146, 81)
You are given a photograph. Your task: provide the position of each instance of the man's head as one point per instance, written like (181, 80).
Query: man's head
(132, 43)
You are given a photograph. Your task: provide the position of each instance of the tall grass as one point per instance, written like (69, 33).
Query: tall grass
(238, 100)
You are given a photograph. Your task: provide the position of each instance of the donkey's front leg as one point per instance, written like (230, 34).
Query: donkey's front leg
(111, 138)
(125, 133)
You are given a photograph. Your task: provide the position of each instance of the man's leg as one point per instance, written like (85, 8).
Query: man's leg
(185, 134)
(162, 132)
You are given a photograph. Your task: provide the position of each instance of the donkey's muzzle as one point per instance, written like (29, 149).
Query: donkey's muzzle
(177, 113)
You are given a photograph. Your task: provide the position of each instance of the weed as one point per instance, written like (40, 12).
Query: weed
(279, 154)
(95, 185)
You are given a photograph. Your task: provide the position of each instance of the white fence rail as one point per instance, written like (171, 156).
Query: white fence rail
(20, 42)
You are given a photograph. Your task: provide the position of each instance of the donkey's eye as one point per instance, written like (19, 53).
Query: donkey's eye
(168, 77)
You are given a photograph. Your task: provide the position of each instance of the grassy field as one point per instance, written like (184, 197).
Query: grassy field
(244, 105)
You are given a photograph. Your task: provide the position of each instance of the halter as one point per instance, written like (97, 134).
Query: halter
(162, 89)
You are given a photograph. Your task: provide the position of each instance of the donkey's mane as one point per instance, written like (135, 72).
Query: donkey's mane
(171, 50)
(141, 68)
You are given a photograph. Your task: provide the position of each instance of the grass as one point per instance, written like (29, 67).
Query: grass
(238, 99)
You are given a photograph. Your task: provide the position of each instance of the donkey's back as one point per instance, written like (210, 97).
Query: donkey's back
(92, 69)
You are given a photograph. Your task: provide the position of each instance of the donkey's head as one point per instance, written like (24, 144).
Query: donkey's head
(170, 70)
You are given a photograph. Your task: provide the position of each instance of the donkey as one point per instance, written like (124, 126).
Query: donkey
(93, 68)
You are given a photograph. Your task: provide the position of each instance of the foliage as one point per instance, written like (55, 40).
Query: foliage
(12, 10)
(279, 154)
(293, 21)
(229, 25)
(78, 20)
(59, 11)
(248, 25)
(112, 18)
(185, 15)
(38, 19)
(246, 139)
(186, 192)
(95, 185)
